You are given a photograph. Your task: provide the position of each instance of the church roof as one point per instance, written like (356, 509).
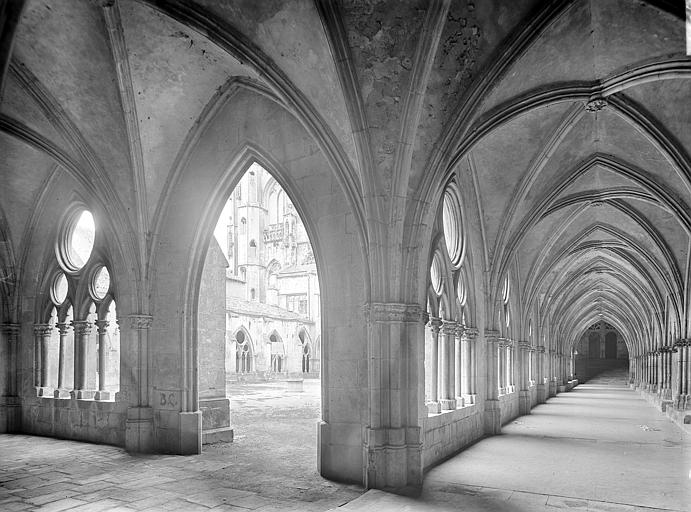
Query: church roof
(244, 307)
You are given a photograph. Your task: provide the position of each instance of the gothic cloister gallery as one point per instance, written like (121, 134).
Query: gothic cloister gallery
(497, 194)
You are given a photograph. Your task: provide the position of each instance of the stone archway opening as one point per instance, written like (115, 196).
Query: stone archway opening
(600, 350)
(259, 310)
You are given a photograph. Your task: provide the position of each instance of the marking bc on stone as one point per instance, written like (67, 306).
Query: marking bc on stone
(167, 399)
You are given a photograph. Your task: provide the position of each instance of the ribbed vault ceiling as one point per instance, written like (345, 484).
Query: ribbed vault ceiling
(583, 173)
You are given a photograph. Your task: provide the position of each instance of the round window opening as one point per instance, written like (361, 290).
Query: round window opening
(452, 224)
(59, 289)
(100, 284)
(461, 292)
(435, 275)
(76, 240)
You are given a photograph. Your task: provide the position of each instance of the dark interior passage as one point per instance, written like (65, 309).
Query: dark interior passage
(600, 349)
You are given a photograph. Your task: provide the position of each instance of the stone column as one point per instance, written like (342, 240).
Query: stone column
(542, 389)
(666, 393)
(472, 334)
(665, 372)
(60, 391)
(134, 385)
(660, 371)
(470, 392)
(433, 406)
(82, 329)
(393, 439)
(10, 404)
(552, 373)
(510, 367)
(632, 372)
(651, 370)
(501, 365)
(37, 362)
(447, 365)
(460, 374)
(492, 408)
(641, 371)
(102, 327)
(524, 384)
(41, 342)
(682, 398)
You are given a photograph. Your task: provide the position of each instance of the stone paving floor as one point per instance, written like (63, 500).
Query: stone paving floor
(271, 466)
(600, 447)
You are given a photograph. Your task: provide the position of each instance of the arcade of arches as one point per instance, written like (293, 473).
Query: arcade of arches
(497, 196)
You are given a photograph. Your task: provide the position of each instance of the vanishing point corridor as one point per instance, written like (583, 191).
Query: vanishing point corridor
(600, 447)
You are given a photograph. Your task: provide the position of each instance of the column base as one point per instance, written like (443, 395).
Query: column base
(44, 391)
(447, 404)
(83, 394)
(62, 393)
(102, 395)
(469, 399)
(139, 430)
(393, 459)
(216, 420)
(433, 407)
(190, 433)
(681, 402)
(492, 417)
(340, 452)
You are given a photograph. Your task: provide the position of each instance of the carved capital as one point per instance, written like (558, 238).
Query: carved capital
(81, 328)
(42, 330)
(523, 345)
(102, 326)
(540, 349)
(595, 105)
(449, 327)
(392, 312)
(471, 333)
(139, 321)
(435, 324)
(63, 328)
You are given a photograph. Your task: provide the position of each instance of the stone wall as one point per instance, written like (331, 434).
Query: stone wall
(509, 407)
(81, 420)
(447, 433)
